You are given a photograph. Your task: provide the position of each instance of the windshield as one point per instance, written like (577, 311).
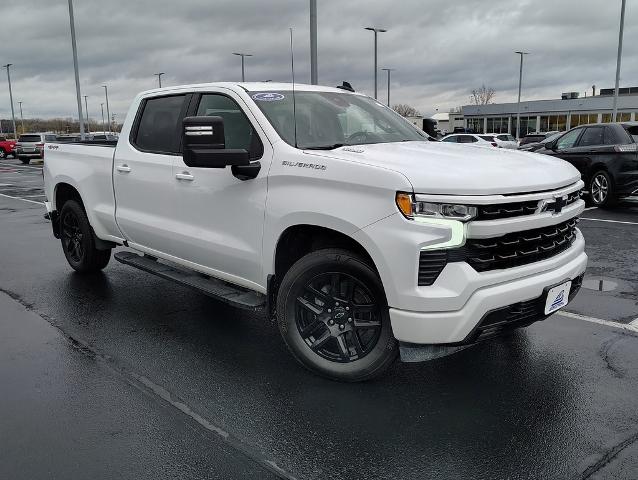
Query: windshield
(327, 120)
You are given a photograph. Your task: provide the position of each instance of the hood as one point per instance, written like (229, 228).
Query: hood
(449, 169)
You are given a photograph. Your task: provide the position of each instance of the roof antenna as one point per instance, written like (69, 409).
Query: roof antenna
(294, 102)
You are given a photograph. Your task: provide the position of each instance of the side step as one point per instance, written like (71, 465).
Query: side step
(218, 289)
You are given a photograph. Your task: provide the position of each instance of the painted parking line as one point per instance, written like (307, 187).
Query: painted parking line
(630, 327)
(608, 221)
(23, 199)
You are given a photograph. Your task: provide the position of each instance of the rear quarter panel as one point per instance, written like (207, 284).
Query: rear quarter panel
(87, 168)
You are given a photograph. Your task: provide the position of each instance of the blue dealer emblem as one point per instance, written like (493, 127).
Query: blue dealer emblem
(268, 96)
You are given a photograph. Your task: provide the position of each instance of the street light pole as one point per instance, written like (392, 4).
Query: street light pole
(159, 78)
(103, 125)
(108, 111)
(518, 107)
(13, 116)
(376, 31)
(388, 70)
(75, 66)
(242, 55)
(313, 43)
(21, 118)
(620, 35)
(86, 112)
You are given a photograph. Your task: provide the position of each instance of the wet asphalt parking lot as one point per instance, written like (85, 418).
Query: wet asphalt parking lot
(125, 375)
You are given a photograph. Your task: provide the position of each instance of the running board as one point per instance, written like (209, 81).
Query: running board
(218, 289)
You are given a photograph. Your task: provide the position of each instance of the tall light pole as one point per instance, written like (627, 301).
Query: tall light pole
(108, 111)
(518, 107)
(86, 112)
(103, 124)
(159, 78)
(376, 31)
(75, 66)
(388, 70)
(21, 118)
(13, 116)
(242, 55)
(313, 43)
(620, 35)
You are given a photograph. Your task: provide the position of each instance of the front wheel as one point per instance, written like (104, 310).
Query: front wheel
(3, 154)
(77, 240)
(601, 190)
(333, 316)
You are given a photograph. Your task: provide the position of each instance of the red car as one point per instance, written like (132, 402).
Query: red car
(7, 147)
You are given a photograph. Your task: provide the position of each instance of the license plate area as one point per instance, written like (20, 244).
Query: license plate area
(557, 297)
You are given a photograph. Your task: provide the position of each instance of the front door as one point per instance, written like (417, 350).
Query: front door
(218, 217)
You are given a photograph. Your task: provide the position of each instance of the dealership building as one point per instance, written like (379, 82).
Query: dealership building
(552, 115)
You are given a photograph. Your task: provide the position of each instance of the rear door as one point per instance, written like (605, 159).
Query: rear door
(143, 173)
(219, 218)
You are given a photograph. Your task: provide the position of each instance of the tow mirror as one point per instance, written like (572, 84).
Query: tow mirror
(204, 144)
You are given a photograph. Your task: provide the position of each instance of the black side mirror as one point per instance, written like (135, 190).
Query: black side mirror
(551, 145)
(204, 144)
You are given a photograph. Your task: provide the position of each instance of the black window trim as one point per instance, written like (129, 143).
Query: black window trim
(177, 139)
(194, 106)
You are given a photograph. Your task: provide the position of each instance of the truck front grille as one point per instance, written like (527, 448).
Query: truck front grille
(509, 251)
(516, 209)
(520, 248)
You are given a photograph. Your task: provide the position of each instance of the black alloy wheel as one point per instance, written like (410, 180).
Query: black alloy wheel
(72, 237)
(77, 240)
(338, 317)
(334, 317)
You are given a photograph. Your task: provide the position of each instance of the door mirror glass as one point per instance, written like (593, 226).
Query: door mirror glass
(204, 144)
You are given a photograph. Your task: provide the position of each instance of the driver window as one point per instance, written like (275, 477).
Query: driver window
(238, 131)
(569, 139)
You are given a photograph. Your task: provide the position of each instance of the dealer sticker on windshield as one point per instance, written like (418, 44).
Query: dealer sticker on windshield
(557, 297)
(268, 96)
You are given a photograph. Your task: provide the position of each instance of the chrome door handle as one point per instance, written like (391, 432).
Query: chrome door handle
(123, 168)
(184, 176)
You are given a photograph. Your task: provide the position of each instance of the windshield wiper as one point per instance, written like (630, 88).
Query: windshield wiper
(325, 147)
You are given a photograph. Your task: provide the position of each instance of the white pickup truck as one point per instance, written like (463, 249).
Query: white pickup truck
(358, 234)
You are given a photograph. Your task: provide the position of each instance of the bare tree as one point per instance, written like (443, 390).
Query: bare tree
(482, 96)
(405, 110)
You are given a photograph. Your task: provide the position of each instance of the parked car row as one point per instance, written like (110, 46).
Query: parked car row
(30, 146)
(606, 155)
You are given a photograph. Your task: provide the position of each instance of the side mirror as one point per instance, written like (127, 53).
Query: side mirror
(551, 145)
(204, 144)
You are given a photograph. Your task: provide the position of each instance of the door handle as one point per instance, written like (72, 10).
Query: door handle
(184, 176)
(123, 168)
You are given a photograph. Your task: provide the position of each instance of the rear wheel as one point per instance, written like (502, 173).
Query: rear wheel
(77, 240)
(601, 190)
(24, 160)
(333, 316)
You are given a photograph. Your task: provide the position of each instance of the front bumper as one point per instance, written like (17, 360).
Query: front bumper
(463, 325)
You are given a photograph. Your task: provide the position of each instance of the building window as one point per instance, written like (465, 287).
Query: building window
(583, 119)
(621, 117)
(475, 125)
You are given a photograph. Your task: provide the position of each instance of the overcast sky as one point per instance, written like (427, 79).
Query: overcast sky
(441, 49)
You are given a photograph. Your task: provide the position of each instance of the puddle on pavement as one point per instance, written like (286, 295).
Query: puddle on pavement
(600, 284)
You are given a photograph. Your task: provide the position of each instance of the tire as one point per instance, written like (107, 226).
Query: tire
(350, 342)
(24, 160)
(77, 240)
(601, 190)
(3, 154)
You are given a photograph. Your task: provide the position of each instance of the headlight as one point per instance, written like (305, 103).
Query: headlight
(412, 209)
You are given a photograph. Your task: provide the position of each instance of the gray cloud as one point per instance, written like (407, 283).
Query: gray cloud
(441, 49)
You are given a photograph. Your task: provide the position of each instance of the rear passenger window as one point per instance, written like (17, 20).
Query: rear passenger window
(238, 131)
(157, 131)
(449, 139)
(592, 136)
